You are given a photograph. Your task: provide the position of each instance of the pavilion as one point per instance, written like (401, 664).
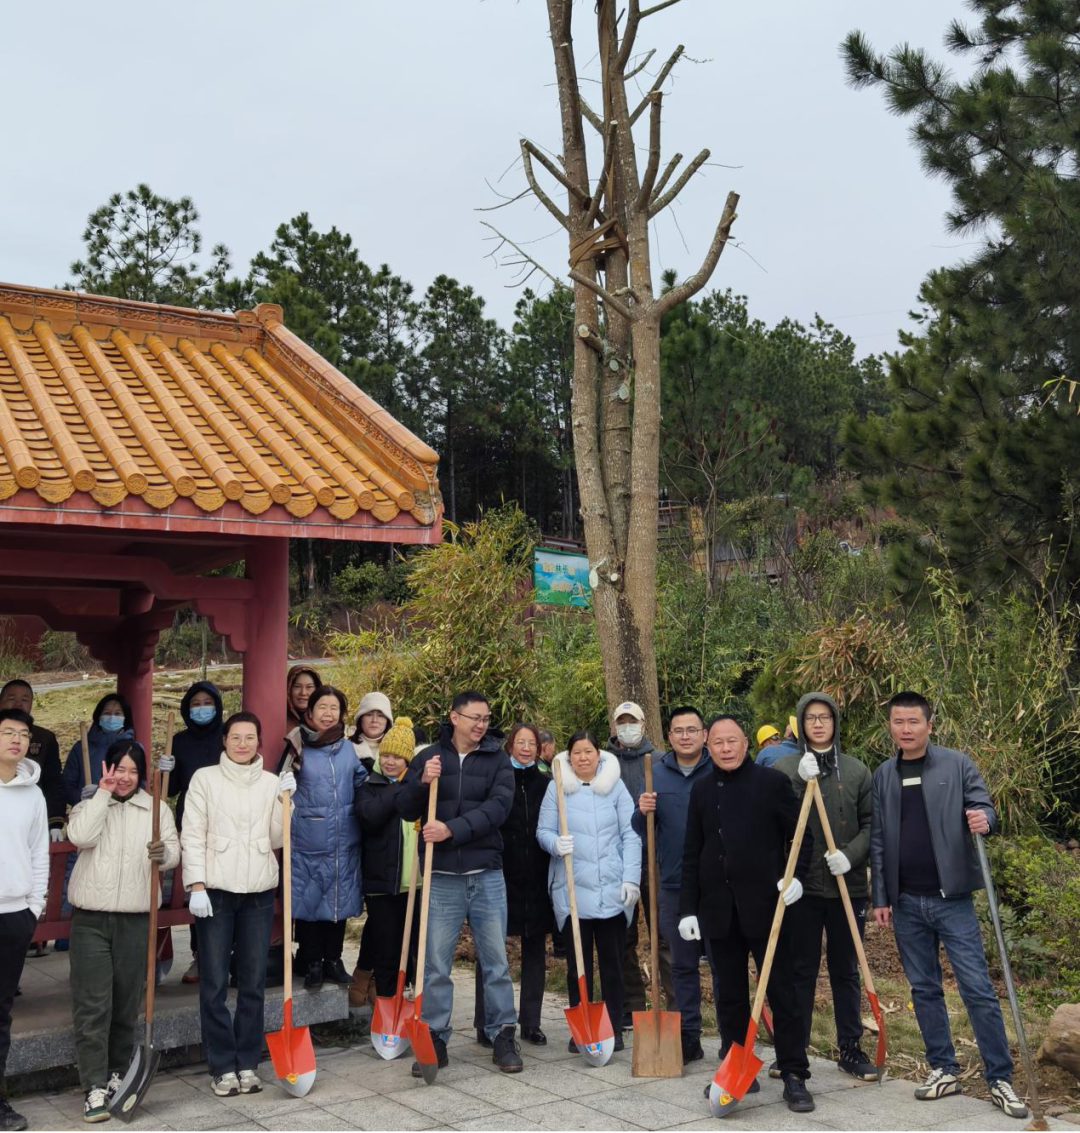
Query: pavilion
(142, 446)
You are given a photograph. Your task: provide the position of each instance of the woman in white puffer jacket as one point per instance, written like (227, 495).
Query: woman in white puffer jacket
(110, 894)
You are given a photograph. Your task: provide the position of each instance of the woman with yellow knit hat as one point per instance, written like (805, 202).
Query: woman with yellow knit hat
(388, 847)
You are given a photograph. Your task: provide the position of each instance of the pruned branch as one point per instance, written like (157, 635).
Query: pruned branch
(617, 305)
(658, 8)
(649, 177)
(661, 78)
(598, 192)
(694, 283)
(525, 257)
(670, 168)
(590, 115)
(639, 67)
(626, 46)
(662, 203)
(578, 191)
(530, 174)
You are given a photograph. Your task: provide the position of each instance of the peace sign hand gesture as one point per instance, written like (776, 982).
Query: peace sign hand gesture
(107, 782)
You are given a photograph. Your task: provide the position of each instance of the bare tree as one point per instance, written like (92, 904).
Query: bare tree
(616, 384)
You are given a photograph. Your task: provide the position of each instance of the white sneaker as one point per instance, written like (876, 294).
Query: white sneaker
(1004, 1097)
(226, 1085)
(940, 1084)
(114, 1084)
(94, 1108)
(250, 1082)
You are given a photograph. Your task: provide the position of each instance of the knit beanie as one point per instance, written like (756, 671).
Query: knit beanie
(374, 702)
(399, 740)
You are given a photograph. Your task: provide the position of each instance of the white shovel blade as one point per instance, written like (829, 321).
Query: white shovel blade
(389, 1046)
(721, 1102)
(298, 1085)
(597, 1054)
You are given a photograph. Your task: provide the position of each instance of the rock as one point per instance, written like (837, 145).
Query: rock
(1062, 1042)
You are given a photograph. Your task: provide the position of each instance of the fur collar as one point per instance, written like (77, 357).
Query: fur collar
(603, 783)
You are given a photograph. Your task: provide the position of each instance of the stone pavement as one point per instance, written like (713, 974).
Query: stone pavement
(355, 1089)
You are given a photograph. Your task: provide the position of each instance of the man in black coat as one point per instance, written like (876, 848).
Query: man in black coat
(740, 821)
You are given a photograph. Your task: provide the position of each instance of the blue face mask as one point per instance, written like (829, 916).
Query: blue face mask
(202, 713)
(110, 723)
(522, 766)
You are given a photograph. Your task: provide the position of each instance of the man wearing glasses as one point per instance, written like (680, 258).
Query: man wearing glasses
(673, 777)
(24, 852)
(476, 789)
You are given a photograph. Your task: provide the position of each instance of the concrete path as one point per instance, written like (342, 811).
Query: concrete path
(355, 1089)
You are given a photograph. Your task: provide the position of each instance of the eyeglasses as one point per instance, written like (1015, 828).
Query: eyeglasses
(818, 719)
(7, 733)
(686, 731)
(474, 719)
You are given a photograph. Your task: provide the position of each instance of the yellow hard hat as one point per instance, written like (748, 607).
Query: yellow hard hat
(765, 732)
(794, 724)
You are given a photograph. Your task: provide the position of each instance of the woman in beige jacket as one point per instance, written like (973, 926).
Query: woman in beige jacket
(232, 825)
(109, 892)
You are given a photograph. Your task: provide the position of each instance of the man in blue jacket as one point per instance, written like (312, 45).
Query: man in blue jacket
(475, 793)
(673, 777)
(928, 801)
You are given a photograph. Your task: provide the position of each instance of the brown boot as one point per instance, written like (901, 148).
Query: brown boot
(362, 989)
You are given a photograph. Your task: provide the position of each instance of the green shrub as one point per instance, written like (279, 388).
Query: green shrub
(60, 650)
(570, 677)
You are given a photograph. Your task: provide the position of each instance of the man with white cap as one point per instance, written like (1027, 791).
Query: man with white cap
(630, 745)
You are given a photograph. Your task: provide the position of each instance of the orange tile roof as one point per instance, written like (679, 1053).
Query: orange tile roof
(116, 398)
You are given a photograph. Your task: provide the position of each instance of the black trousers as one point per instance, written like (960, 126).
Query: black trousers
(533, 975)
(319, 940)
(804, 923)
(16, 929)
(380, 945)
(609, 938)
(731, 955)
(635, 986)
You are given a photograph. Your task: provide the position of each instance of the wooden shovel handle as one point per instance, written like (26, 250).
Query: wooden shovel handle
(410, 907)
(170, 728)
(654, 943)
(84, 742)
(286, 879)
(160, 782)
(568, 867)
(778, 916)
(425, 894)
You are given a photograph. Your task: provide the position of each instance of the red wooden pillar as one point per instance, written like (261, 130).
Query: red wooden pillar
(267, 653)
(135, 683)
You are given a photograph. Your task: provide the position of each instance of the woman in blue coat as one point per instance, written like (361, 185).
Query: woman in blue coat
(606, 855)
(110, 721)
(326, 884)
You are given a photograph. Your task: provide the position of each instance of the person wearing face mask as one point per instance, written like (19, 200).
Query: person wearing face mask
(113, 830)
(525, 870)
(387, 851)
(845, 787)
(327, 887)
(606, 856)
(300, 682)
(629, 745)
(109, 722)
(232, 825)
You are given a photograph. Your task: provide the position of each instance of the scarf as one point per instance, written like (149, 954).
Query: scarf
(326, 738)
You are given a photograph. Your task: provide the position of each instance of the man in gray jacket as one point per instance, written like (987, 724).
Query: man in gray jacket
(928, 801)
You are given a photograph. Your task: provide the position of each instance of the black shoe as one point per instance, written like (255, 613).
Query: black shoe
(691, 1047)
(314, 978)
(852, 1061)
(619, 1044)
(534, 1035)
(571, 1046)
(482, 1039)
(35, 951)
(774, 1071)
(507, 1053)
(753, 1088)
(441, 1057)
(628, 1020)
(334, 971)
(797, 1095)
(9, 1119)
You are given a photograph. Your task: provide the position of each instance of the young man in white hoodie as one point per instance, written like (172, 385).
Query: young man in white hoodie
(24, 850)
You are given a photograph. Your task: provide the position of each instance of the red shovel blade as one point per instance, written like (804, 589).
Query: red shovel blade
(879, 1055)
(292, 1054)
(590, 1028)
(734, 1075)
(419, 1035)
(390, 1022)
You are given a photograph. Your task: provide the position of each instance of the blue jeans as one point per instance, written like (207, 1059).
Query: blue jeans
(922, 924)
(480, 899)
(685, 961)
(241, 924)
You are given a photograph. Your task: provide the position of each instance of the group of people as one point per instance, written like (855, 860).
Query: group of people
(724, 824)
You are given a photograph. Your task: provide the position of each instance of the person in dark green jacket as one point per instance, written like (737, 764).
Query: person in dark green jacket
(845, 786)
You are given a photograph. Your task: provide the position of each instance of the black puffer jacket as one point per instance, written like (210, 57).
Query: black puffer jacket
(473, 800)
(525, 865)
(376, 805)
(197, 746)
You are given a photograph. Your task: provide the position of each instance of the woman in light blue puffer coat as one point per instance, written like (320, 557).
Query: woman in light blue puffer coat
(606, 856)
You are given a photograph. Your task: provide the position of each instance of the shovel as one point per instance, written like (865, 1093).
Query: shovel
(417, 1031)
(590, 1024)
(1038, 1121)
(864, 967)
(145, 1058)
(290, 1048)
(741, 1065)
(390, 1018)
(657, 1034)
(84, 743)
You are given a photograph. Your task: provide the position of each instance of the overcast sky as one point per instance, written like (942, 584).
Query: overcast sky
(385, 118)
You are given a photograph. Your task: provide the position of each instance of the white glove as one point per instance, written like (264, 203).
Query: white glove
(792, 893)
(808, 767)
(89, 791)
(688, 929)
(629, 894)
(286, 782)
(56, 834)
(837, 862)
(166, 763)
(564, 844)
(199, 905)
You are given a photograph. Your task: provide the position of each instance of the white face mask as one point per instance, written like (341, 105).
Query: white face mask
(629, 735)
